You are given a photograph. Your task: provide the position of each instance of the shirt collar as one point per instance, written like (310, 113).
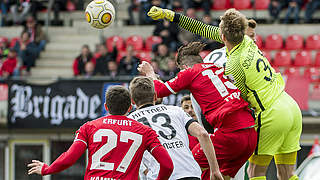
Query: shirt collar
(233, 49)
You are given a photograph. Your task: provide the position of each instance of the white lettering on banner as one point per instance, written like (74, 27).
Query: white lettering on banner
(57, 108)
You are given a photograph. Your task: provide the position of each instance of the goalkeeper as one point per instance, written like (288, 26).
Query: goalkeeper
(278, 117)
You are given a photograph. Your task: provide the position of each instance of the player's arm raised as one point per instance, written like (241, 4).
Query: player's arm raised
(196, 130)
(180, 82)
(192, 25)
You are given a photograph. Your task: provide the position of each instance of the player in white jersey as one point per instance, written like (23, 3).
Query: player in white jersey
(172, 125)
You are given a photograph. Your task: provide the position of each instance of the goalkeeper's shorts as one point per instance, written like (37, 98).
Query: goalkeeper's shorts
(232, 149)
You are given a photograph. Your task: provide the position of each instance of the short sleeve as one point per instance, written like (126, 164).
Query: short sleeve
(180, 82)
(186, 119)
(82, 135)
(152, 140)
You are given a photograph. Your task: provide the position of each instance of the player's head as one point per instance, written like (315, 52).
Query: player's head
(118, 100)
(186, 105)
(188, 55)
(252, 24)
(233, 26)
(142, 91)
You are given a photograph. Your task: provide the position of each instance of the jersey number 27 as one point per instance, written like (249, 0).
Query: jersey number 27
(111, 144)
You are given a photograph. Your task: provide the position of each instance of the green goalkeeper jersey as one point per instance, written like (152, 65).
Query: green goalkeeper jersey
(246, 66)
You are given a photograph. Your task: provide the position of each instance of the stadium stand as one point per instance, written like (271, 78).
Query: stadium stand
(274, 41)
(282, 58)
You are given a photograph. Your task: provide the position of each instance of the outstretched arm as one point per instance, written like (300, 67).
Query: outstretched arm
(189, 24)
(196, 130)
(64, 161)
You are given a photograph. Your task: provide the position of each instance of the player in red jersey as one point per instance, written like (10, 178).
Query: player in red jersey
(115, 145)
(221, 103)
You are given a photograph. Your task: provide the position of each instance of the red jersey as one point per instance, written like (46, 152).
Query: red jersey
(214, 93)
(115, 146)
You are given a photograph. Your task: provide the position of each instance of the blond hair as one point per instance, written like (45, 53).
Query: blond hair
(233, 26)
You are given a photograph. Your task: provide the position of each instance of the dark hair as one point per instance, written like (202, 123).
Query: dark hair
(185, 98)
(233, 26)
(189, 54)
(142, 90)
(23, 33)
(252, 23)
(118, 100)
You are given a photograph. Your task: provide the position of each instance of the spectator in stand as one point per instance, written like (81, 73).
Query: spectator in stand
(204, 4)
(136, 4)
(294, 7)
(312, 6)
(129, 63)
(19, 10)
(27, 51)
(275, 8)
(172, 69)
(102, 62)
(9, 65)
(157, 70)
(177, 5)
(58, 5)
(4, 50)
(89, 69)
(185, 36)
(168, 32)
(162, 57)
(80, 62)
(37, 36)
(4, 7)
(113, 70)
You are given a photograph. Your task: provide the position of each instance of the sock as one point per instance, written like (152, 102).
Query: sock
(261, 178)
(294, 177)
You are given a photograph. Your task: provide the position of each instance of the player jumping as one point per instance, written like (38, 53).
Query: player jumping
(278, 116)
(115, 145)
(173, 125)
(221, 103)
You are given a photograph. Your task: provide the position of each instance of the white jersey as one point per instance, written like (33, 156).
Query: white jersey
(170, 123)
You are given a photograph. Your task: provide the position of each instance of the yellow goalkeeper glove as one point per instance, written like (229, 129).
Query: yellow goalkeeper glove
(158, 13)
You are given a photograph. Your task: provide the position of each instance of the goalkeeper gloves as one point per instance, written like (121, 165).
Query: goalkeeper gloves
(158, 13)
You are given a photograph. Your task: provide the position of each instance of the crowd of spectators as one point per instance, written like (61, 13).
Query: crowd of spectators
(293, 8)
(21, 56)
(20, 9)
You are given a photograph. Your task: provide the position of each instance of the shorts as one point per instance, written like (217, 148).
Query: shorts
(232, 149)
(279, 127)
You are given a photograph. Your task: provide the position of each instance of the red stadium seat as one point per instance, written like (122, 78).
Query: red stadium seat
(292, 71)
(282, 58)
(267, 55)
(312, 73)
(294, 42)
(203, 54)
(242, 4)
(152, 40)
(221, 4)
(136, 41)
(121, 54)
(317, 60)
(144, 56)
(298, 88)
(313, 42)
(315, 94)
(115, 39)
(303, 58)
(274, 41)
(13, 41)
(261, 4)
(259, 41)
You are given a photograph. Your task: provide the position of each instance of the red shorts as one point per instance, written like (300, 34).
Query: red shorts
(232, 149)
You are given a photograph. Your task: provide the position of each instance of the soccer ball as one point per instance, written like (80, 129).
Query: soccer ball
(100, 13)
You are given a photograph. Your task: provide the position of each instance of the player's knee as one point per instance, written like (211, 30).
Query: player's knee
(284, 171)
(255, 171)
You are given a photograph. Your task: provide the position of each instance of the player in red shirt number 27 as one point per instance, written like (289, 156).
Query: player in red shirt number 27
(115, 145)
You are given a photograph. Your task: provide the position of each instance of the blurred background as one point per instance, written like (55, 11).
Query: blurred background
(54, 68)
